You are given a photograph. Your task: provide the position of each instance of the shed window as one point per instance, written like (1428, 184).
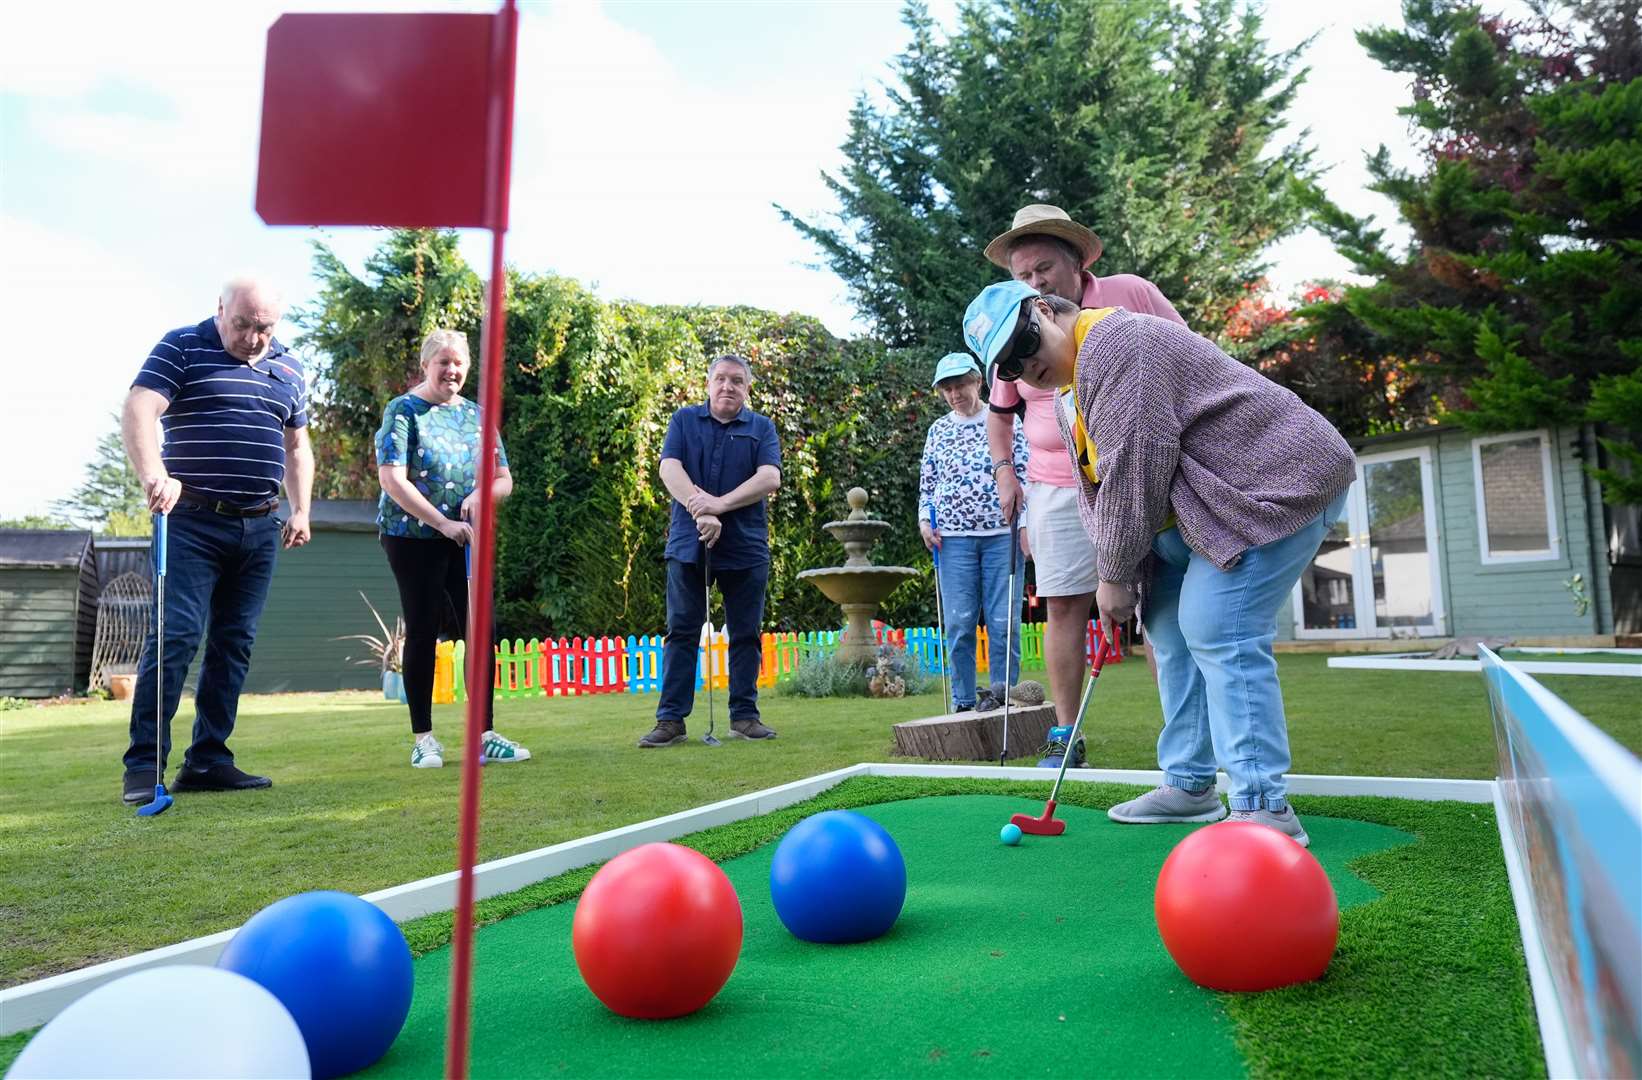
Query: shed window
(1516, 519)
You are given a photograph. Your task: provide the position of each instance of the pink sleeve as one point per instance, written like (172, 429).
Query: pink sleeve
(1160, 305)
(1005, 394)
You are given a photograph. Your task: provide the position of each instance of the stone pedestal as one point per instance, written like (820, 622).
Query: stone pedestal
(971, 736)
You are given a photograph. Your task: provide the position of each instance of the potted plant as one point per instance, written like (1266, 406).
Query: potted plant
(387, 652)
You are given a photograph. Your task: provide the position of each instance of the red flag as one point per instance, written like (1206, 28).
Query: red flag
(378, 120)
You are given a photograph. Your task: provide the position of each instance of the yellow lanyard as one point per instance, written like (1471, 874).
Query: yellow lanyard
(1083, 446)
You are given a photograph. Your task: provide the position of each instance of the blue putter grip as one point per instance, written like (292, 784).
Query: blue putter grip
(159, 542)
(934, 527)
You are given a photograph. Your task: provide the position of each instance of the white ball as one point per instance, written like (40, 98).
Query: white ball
(183, 1021)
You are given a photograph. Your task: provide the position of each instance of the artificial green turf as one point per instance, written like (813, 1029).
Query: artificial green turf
(1011, 960)
(1427, 980)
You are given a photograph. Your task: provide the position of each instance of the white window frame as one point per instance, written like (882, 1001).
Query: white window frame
(1552, 531)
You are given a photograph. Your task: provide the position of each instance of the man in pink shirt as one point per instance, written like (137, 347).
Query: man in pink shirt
(1049, 251)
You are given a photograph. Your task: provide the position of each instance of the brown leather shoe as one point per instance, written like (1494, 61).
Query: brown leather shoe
(666, 733)
(749, 729)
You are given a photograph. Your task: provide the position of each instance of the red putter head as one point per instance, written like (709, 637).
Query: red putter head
(1049, 824)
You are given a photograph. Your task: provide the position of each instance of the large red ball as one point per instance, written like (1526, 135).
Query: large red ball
(1243, 907)
(657, 932)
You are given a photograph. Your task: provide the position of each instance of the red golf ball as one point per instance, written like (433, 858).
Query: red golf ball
(1240, 906)
(657, 932)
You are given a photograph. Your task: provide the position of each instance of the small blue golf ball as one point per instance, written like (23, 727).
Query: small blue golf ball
(1010, 834)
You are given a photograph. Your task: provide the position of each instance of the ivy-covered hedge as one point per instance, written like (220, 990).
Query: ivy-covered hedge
(589, 389)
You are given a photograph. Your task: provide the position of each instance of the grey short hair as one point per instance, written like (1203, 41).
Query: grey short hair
(1063, 246)
(252, 283)
(440, 340)
(731, 358)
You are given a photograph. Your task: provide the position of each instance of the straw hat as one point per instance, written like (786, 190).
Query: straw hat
(1041, 219)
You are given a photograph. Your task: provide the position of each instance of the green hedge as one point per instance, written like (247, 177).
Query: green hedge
(589, 389)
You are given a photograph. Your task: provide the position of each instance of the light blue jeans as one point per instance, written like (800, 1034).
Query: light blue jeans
(1211, 631)
(975, 583)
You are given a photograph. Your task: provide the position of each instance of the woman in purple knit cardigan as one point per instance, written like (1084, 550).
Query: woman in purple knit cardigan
(1206, 489)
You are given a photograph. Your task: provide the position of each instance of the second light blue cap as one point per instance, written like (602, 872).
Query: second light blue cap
(954, 363)
(990, 320)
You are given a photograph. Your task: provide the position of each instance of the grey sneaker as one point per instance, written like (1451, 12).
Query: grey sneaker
(1165, 804)
(666, 733)
(1285, 821)
(749, 729)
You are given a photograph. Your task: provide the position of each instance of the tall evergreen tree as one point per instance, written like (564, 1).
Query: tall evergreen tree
(110, 497)
(1519, 299)
(1158, 127)
(364, 336)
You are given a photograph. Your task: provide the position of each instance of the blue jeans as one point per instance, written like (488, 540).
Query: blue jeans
(743, 592)
(217, 577)
(975, 583)
(1211, 631)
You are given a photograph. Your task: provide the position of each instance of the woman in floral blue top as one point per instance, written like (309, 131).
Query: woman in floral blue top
(970, 529)
(427, 458)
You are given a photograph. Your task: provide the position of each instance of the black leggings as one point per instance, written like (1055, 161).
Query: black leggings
(433, 590)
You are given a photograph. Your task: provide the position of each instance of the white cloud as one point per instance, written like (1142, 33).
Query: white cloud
(91, 319)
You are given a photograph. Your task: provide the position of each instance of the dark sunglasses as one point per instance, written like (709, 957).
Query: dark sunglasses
(1022, 347)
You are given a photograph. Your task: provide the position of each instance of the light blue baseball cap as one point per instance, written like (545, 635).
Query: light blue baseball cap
(954, 363)
(990, 320)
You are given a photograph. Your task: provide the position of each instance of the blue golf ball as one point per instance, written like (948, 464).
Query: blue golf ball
(1010, 834)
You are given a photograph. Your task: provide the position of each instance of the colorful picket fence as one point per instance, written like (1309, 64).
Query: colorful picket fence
(633, 665)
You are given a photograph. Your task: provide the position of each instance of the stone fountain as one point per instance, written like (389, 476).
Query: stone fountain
(858, 586)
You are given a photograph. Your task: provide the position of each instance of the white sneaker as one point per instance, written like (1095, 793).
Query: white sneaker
(496, 748)
(1285, 821)
(427, 753)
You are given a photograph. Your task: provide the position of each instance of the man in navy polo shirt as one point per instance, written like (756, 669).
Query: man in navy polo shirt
(234, 407)
(720, 461)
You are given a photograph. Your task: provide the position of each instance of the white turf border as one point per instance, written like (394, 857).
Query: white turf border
(32, 1004)
(1420, 662)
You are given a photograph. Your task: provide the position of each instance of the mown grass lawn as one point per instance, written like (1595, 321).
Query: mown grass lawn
(83, 879)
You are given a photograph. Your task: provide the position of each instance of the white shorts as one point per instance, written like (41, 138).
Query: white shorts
(1061, 550)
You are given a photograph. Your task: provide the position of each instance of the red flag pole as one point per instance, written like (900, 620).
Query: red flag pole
(504, 43)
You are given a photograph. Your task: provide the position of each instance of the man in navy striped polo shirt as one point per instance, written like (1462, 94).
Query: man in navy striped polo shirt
(234, 406)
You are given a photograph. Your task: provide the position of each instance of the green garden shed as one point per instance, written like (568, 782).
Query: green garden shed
(318, 596)
(1449, 534)
(48, 611)
(314, 600)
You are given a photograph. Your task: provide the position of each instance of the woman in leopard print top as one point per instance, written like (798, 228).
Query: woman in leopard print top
(969, 529)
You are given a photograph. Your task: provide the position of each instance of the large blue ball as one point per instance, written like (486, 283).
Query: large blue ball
(339, 965)
(838, 877)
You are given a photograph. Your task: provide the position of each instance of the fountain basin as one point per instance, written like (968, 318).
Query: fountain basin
(858, 590)
(857, 584)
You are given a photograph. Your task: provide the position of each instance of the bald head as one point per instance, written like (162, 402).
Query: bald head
(247, 312)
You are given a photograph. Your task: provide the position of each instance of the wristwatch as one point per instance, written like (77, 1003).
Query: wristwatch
(996, 465)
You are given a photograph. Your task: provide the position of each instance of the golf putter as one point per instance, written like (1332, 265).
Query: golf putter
(1049, 824)
(162, 801)
(1009, 631)
(707, 654)
(940, 619)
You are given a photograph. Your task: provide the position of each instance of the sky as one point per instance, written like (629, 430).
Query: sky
(651, 140)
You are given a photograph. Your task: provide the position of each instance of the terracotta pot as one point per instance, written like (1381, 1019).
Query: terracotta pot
(121, 686)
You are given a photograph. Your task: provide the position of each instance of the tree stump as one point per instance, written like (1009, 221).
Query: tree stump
(970, 736)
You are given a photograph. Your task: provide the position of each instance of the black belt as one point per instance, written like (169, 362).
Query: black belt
(217, 506)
